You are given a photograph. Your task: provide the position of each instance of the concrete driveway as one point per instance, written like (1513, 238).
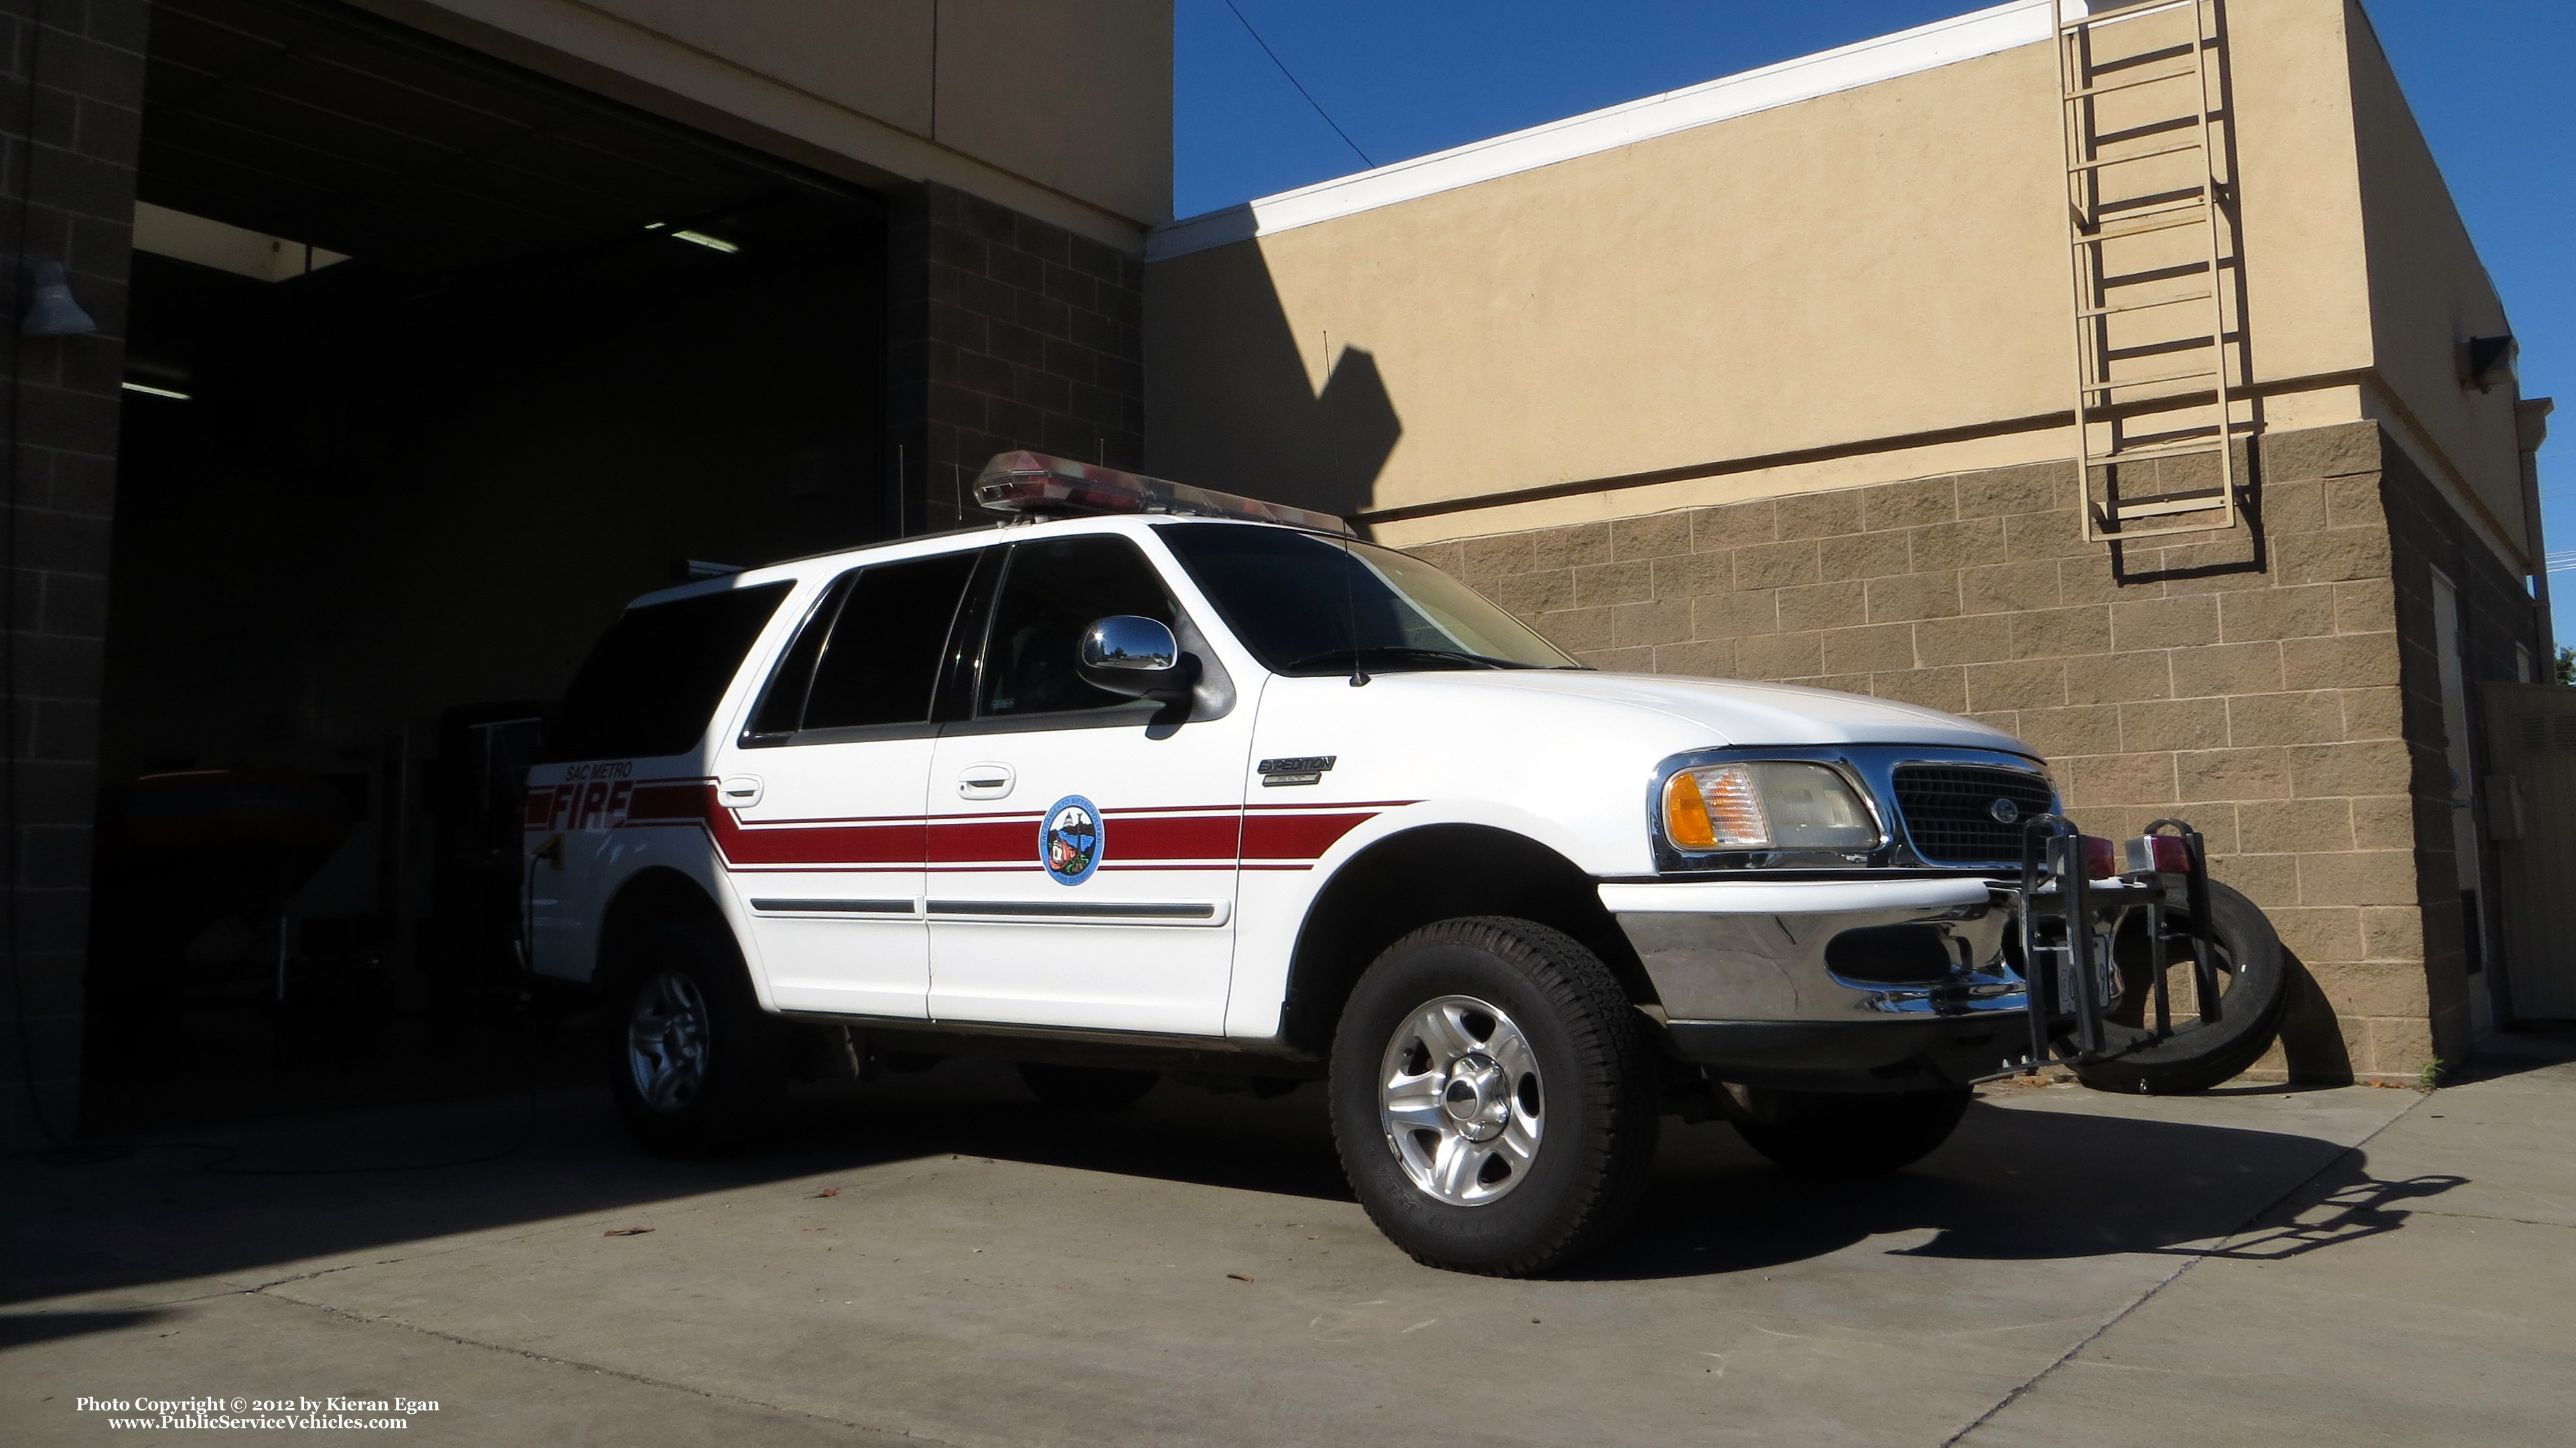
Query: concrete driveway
(939, 1258)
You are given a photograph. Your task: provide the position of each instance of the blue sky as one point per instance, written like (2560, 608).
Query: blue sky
(2490, 82)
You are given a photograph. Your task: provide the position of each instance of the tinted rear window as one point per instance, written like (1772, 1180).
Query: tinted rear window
(870, 653)
(652, 682)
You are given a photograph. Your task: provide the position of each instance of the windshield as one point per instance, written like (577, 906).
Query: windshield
(1297, 600)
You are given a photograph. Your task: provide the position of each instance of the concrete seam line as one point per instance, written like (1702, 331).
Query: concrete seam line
(401, 1258)
(2492, 1217)
(2170, 1278)
(343, 1267)
(647, 1380)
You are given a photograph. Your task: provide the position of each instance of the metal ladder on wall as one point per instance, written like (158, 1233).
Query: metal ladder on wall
(2149, 241)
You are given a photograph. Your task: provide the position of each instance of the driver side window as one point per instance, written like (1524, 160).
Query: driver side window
(1050, 593)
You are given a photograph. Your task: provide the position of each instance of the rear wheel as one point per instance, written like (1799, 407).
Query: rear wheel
(1834, 1133)
(1493, 1097)
(1087, 1088)
(2254, 989)
(696, 1067)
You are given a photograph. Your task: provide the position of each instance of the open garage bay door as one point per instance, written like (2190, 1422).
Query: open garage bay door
(433, 364)
(319, 122)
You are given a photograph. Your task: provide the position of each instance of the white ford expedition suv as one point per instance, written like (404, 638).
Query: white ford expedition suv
(1202, 784)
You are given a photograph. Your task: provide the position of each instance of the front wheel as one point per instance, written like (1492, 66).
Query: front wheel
(1493, 1097)
(696, 1067)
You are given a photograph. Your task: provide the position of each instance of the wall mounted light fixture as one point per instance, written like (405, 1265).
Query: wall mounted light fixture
(2486, 361)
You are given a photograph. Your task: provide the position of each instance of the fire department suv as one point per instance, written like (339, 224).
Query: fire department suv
(1162, 779)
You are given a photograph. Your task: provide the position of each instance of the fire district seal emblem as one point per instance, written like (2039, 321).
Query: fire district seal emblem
(1070, 840)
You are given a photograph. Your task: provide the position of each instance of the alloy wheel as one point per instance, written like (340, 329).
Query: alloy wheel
(1461, 1101)
(666, 1042)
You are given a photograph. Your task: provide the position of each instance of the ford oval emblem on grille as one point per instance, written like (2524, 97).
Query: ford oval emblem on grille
(2004, 811)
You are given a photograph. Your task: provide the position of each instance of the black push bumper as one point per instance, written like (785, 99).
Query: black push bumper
(1879, 1055)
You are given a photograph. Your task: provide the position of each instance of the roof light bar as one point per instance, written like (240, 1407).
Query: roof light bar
(1041, 486)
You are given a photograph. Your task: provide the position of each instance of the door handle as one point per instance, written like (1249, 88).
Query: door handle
(986, 781)
(740, 791)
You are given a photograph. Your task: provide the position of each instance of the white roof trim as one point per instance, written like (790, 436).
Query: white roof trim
(1943, 42)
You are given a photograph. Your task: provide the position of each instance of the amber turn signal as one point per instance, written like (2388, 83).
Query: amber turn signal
(1686, 821)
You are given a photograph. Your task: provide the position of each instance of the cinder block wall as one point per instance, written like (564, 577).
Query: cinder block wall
(2249, 682)
(70, 116)
(2496, 614)
(1009, 333)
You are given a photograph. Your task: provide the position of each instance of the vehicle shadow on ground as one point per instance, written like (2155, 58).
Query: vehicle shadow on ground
(28, 1329)
(234, 1200)
(2011, 1185)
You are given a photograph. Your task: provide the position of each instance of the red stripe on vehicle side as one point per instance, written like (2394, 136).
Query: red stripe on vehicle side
(1296, 837)
(896, 842)
(1369, 804)
(1211, 837)
(899, 867)
(800, 844)
(1124, 811)
(955, 843)
(671, 799)
(1184, 837)
(1200, 837)
(594, 804)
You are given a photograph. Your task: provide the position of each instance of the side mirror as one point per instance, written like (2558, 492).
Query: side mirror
(1137, 657)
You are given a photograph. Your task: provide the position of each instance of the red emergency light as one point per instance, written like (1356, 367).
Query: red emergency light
(2100, 860)
(2145, 855)
(2159, 855)
(1042, 486)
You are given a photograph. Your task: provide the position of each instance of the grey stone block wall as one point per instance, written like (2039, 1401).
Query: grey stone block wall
(2496, 614)
(71, 95)
(1008, 333)
(2269, 684)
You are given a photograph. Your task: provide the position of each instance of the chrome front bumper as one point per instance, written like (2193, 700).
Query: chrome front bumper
(1851, 984)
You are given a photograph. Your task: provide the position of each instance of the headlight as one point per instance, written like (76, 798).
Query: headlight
(1773, 805)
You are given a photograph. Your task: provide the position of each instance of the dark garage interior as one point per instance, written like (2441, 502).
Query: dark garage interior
(503, 356)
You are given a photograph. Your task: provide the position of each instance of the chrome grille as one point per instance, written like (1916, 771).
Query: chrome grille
(1948, 811)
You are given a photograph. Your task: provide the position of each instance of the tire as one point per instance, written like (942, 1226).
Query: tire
(694, 1064)
(2196, 1056)
(1559, 1079)
(1087, 1088)
(1846, 1134)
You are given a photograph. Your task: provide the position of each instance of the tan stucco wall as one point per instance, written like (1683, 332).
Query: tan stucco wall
(2429, 292)
(1062, 112)
(1077, 95)
(1882, 261)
